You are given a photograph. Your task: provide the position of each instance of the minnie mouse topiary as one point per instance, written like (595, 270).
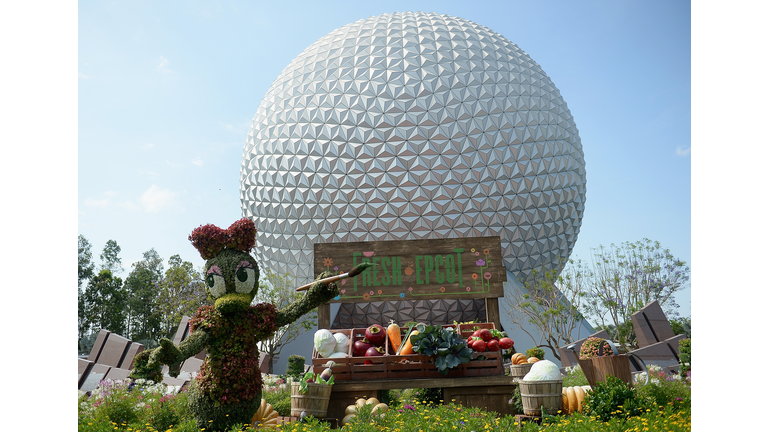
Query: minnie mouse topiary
(227, 391)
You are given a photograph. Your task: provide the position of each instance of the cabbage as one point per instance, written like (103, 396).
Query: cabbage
(342, 343)
(543, 370)
(324, 342)
(338, 355)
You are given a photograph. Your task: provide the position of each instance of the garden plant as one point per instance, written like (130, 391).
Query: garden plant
(664, 404)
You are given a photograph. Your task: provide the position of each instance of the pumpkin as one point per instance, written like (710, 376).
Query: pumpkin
(265, 417)
(519, 358)
(532, 359)
(573, 398)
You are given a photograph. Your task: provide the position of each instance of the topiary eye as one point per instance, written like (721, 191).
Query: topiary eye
(215, 282)
(245, 277)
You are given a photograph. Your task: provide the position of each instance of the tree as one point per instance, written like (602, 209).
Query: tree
(104, 303)
(628, 277)
(143, 317)
(182, 292)
(550, 302)
(279, 291)
(110, 259)
(85, 266)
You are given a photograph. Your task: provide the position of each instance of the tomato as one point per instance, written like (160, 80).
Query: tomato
(505, 343)
(479, 346)
(486, 334)
(493, 345)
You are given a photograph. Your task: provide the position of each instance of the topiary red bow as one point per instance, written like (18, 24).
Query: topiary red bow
(210, 240)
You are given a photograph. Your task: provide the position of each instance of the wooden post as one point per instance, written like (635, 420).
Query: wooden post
(324, 316)
(492, 311)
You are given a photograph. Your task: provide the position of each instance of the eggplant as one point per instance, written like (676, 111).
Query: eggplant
(360, 347)
(326, 375)
(376, 335)
(374, 352)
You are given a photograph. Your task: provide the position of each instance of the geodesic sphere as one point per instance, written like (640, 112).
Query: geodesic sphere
(412, 126)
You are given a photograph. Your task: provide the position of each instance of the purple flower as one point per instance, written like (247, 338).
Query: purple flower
(409, 407)
(480, 262)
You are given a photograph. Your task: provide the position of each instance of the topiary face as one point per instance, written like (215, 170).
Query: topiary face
(232, 279)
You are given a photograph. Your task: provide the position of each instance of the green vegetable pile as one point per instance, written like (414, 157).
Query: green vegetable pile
(447, 347)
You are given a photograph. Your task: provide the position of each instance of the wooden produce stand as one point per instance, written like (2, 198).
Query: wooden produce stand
(463, 268)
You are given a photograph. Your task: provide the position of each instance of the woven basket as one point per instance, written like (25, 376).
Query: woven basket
(518, 371)
(314, 402)
(538, 394)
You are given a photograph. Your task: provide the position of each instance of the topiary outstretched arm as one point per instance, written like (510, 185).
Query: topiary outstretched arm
(148, 364)
(317, 294)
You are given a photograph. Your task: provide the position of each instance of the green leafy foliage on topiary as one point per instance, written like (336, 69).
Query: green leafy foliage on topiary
(227, 391)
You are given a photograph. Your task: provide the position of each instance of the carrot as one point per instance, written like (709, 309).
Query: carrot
(393, 330)
(408, 347)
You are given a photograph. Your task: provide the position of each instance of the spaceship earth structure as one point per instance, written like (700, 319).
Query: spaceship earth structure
(412, 126)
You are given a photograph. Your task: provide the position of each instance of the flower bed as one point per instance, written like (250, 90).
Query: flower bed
(145, 406)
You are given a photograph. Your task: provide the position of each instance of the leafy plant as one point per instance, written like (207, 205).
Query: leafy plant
(448, 348)
(517, 400)
(295, 366)
(311, 377)
(594, 347)
(613, 398)
(685, 357)
(535, 352)
(280, 401)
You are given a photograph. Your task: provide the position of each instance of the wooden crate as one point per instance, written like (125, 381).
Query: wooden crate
(377, 367)
(466, 330)
(488, 366)
(341, 371)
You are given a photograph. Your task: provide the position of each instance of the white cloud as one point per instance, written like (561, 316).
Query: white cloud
(146, 146)
(163, 66)
(198, 161)
(683, 152)
(156, 199)
(96, 203)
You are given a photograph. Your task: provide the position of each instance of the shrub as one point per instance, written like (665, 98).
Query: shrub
(295, 366)
(685, 357)
(535, 352)
(592, 348)
(429, 396)
(280, 401)
(612, 399)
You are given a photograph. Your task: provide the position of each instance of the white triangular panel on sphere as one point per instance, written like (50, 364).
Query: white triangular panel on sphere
(413, 125)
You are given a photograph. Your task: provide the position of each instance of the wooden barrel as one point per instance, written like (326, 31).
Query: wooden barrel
(538, 394)
(518, 371)
(314, 402)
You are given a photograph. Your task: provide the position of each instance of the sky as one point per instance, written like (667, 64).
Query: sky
(103, 102)
(167, 92)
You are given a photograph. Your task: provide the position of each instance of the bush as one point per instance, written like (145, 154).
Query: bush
(685, 357)
(280, 401)
(535, 352)
(612, 399)
(295, 366)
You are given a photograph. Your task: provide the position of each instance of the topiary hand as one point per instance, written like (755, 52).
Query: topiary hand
(143, 368)
(167, 354)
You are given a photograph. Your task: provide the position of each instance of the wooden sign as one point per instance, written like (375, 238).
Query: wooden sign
(458, 268)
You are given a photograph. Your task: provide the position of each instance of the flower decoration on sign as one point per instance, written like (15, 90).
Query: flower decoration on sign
(482, 284)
